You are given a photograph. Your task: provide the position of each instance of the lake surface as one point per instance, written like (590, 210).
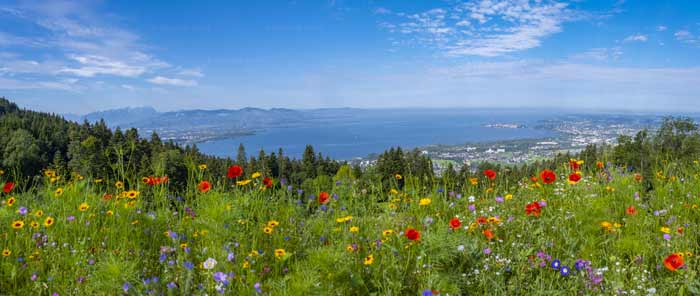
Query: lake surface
(358, 134)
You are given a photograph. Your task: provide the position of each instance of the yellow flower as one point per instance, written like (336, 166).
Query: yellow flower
(39, 213)
(243, 182)
(119, 185)
(58, 192)
(10, 201)
(183, 246)
(609, 189)
(6, 252)
(473, 181)
(394, 191)
(665, 230)
(267, 230)
(424, 201)
(246, 264)
(2, 172)
(387, 232)
(50, 173)
(398, 176)
(392, 206)
(109, 213)
(17, 224)
(132, 194)
(606, 225)
(272, 223)
(280, 253)
(48, 221)
(369, 259)
(256, 175)
(343, 219)
(98, 181)
(83, 207)
(509, 196)
(202, 167)
(354, 229)
(350, 248)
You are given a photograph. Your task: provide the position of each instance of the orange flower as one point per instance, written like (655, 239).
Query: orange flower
(488, 234)
(631, 210)
(204, 186)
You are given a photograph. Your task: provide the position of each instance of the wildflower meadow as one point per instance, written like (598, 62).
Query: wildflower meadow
(582, 228)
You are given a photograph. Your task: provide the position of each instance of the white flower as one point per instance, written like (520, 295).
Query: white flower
(209, 264)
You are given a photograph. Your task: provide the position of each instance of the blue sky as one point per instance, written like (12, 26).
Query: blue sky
(77, 57)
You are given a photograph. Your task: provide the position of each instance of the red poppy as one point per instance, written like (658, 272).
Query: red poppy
(533, 209)
(631, 210)
(491, 174)
(234, 171)
(8, 187)
(482, 220)
(574, 165)
(638, 177)
(488, 234)
(673, 262)
(574, 178)
(323, 197)
(204, 186)
(548, 177)
(680, 230)
(107, 196)
(412, 234)
(267, 182)
(455, 223)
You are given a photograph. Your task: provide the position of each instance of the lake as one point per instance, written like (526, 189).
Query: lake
(361, 133)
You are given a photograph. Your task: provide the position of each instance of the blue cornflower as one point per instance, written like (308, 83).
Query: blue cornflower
(188, 265)
(564, 271)
(556, 264)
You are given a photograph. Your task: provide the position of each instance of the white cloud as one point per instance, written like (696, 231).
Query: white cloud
(98, 65)
(636, 38)
(600, 54)
(661, 28)
(486, 27)
(686, 37)
(191, 72)
(172, 81)
(76, 39)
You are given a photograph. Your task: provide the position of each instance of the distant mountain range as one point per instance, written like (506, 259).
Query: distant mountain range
(192, 126)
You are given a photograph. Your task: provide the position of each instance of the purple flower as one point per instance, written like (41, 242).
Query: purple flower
(257, 287)
(499, 199)
(543, 203)
(556, 264)
(221, 277)
(70, 218)
(427, 292)
(188, 265)
(126, 287)
(34, 277)
(472, 207)
(487, 251)
(667, 236)
(564, 271)
(230, 257)
(22, 211)
(172, 285)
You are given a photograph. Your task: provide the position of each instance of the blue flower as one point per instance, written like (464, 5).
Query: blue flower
(188, 265)
(427, 292)
(564, 271)
(556, 264)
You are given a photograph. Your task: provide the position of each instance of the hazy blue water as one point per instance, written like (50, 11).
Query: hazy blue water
(360, 134)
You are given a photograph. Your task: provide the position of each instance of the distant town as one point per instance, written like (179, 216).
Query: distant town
(573, 134)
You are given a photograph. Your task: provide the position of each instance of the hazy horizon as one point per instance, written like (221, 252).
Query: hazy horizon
(80, 57)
